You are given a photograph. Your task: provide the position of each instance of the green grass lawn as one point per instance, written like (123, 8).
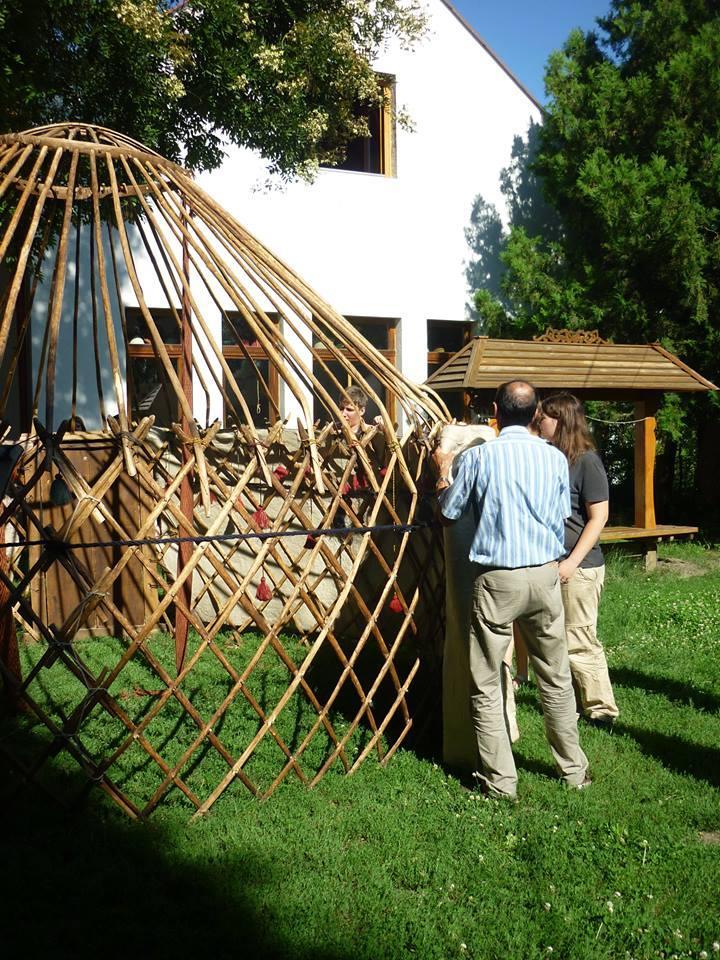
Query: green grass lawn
(171, 731)
(401, 861)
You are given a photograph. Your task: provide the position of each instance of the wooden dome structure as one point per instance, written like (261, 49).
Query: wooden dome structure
(164, 582)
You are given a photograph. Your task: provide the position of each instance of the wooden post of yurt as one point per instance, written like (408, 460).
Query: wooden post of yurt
(24, 367)
(186, 493)
(645, 411)
(9, 651)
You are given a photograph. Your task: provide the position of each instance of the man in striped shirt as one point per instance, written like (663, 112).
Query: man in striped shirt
(519, 486)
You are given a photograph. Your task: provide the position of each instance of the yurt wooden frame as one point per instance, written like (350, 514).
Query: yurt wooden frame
(132, 499)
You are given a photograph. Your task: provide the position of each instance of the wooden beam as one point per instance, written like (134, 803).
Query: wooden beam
(645, 411)
(387, 126)
(23, 333)
(649, 553)
(187, 501)
(663, 532)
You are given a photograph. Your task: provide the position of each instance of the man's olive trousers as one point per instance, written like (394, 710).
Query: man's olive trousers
(531, 596)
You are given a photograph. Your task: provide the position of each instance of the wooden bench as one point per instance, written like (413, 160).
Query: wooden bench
(647, 538)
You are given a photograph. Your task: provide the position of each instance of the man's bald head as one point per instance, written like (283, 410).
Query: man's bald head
(516, 403)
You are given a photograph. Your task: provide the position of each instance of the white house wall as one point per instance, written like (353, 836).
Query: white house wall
(394, 247)
(87, 406)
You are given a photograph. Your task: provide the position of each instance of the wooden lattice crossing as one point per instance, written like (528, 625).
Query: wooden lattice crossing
(153, 579)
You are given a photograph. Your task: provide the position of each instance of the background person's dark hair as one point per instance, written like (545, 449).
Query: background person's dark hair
(516, 403)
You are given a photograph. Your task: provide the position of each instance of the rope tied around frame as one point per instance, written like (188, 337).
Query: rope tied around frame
(342, 532)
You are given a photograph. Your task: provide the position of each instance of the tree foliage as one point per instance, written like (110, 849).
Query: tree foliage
(281, 76)
(629, 158)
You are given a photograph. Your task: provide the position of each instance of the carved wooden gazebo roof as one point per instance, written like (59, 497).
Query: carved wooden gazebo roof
(562, 359)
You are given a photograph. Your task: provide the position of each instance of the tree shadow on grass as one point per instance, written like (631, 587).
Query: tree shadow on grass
(675, 753)
(676, 691)
(89, 882)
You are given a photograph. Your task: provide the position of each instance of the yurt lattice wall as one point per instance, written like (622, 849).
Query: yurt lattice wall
(192, 602)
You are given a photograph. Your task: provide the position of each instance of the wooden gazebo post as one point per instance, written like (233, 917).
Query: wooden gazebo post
(645, 447)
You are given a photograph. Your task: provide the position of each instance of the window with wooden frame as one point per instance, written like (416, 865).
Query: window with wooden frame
(382, 334)
(444, 338)
(149, 392)
(376, 152)
(255, 376)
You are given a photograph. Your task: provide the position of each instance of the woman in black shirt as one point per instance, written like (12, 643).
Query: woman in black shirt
(582, 569)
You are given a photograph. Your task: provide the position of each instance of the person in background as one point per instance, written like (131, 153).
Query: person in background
(353, 404)
(582, 569)
(520, 488)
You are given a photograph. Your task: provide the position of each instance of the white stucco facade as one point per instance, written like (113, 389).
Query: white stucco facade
(394, 246)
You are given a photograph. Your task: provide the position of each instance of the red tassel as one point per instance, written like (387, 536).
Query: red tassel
(261, 519)
(360, 480)
(281, 471)
(383, 471)
(346, 489)
(263, 591)
(310, 541)
(395, 604)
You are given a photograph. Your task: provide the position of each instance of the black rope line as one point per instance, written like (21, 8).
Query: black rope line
(226, 537)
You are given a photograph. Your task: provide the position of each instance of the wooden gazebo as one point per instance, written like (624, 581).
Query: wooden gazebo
(593, 369)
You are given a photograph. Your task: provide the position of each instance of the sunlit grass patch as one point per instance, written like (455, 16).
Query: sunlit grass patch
(234, 706)
(400, 861)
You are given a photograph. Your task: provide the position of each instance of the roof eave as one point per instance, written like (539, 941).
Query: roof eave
(488, 49)
(707, 384)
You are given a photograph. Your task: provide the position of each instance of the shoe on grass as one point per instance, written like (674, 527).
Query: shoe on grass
(602, 721)
(473, 783)
(490, 794)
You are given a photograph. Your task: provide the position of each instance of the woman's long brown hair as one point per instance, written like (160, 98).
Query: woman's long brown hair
(572, 434)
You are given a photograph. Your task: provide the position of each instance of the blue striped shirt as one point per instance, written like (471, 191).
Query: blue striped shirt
(520, 485)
